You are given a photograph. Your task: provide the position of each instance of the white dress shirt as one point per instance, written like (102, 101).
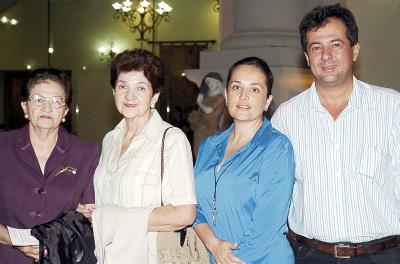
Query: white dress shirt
(347, 170)
(134, 179)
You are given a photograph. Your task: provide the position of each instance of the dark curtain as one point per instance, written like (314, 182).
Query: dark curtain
(179, 93)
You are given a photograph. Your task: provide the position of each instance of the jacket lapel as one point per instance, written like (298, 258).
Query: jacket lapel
(25, 152)
(56, 161)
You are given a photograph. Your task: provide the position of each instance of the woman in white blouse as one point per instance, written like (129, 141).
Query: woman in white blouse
(128, 179)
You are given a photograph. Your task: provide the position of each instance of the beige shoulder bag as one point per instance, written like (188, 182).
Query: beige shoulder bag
(176, 247)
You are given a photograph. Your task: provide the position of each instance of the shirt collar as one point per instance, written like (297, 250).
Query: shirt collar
(356, 98)
(150, 130)
(23, 141)
(261, 138)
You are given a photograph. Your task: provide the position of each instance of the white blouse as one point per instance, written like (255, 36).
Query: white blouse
(134, 180)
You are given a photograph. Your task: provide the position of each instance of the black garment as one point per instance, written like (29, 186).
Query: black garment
(68, 240)
(306, 255)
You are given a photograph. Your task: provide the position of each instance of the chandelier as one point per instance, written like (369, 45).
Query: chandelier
(142, 17)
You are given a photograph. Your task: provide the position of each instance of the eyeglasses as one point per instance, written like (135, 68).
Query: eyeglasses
(55, 101)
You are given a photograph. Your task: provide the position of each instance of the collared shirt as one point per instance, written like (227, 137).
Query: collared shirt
(347, 170)
(29, 198)
(134, 179)
(252, 194)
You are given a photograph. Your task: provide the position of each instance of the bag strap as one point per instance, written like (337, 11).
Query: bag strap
(182, 233)
(162, 159)
(41, 251)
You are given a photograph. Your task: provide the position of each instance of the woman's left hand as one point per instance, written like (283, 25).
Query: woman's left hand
(86, 210)
(31, 252)
(222, 252)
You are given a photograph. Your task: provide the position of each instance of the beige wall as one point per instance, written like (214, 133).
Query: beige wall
(379, 26)
(78, 28)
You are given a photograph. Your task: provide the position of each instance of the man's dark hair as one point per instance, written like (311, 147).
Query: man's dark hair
(322, 15)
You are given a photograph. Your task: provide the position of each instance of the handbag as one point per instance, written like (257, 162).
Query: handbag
(68, 240)
(181, 247)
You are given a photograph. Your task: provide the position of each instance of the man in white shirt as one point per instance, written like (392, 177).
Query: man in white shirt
(346, 138)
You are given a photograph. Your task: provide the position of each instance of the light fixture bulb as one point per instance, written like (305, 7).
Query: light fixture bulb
(28, 67)
(102, 50)
(127, 3)
(13, 22)
(77, 109)
(140, 9)
(84, 68)
(167, 8)
(126, 9)
(160, 11)
(4, 19)
(116, 6)
(145, 3)
(51, 50)
(115, 50)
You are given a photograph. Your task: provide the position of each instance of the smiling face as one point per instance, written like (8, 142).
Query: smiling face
(330, 55)
(45, 116)
(133, 95)
(246, 94)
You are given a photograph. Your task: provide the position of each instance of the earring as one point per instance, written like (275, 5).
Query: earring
(26, 116)
(151, 106)
(63, 120)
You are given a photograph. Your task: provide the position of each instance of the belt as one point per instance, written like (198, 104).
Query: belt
(346, 249)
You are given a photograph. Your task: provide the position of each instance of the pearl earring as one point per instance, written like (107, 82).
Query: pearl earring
(26, 116)
(63, 120)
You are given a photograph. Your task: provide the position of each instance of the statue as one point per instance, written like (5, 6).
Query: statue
(212, 115)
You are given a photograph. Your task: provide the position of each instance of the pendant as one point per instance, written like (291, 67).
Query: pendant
(214, 212)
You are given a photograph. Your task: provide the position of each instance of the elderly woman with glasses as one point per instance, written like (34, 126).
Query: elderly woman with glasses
(45, 171)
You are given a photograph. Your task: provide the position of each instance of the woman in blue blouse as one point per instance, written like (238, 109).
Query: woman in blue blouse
(244, 176)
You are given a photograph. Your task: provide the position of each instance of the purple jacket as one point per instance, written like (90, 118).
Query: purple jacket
(27, 197)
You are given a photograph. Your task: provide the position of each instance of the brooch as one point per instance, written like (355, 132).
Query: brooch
(68, 169)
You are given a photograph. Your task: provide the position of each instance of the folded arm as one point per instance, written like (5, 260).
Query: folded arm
(171, 218)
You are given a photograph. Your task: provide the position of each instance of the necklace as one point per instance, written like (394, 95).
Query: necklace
(216, 180)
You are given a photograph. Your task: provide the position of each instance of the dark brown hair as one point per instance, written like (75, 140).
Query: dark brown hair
(321, 15)
(42, 75)
(138, 60)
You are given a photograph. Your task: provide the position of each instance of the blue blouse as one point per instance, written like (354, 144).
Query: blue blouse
(253, 191)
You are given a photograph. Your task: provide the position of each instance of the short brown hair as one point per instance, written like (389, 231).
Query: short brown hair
(138, 60)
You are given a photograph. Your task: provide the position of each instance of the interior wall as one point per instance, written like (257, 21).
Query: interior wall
(78, 29)
(379, 23)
